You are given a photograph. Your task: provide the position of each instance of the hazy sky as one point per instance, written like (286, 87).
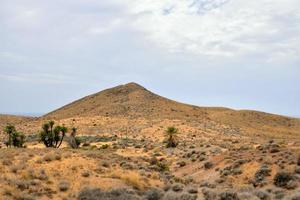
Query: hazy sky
(234, 53)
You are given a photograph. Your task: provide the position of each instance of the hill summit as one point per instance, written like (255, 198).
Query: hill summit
(129, 100)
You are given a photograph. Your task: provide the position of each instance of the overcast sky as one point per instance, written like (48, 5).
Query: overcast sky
(233, 53)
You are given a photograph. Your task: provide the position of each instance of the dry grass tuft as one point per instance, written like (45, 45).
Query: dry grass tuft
(131, 178)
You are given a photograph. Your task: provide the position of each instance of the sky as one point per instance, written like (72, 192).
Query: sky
(231, 53)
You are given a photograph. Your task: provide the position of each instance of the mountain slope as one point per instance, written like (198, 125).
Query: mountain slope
(130, 100)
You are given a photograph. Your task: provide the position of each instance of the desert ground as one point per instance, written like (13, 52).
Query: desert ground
(221, 153)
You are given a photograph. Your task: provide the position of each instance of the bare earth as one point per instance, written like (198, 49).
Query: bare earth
(222, 153)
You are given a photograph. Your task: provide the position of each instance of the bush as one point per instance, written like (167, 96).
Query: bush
(208, 165)
(98, 194)
(162, 166)
(281, 179)
(85, 174)
(15, 138)
(64, 186)
(228, 196)
(260, 175)
(171, 137)
(104, 146)
(179, 196)
(154, 194)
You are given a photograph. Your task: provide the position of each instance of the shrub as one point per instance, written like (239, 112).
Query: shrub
(208, 165)
(15, 138)
(162, 166)
(228, 196)
(85, 174)
(179, 196)
(281, 179)
(52, 137)
(104, 146)
(260, 174)
(64, 186)
(131, 178)
(171, 137)
(177, 187)
(98, 194)
(154, 194)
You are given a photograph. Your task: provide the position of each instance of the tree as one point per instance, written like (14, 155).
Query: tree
(171, 137)
(9, 130)
(74, 141)
(15, 138)
(52, 136)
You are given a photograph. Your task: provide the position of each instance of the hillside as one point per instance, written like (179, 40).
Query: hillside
(220, 153)
(13, 119)
(133, 107)
(132, 101)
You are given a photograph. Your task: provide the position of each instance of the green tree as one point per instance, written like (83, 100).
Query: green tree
(52, 136)
(171, 137)
(15, 138)
(9, 130)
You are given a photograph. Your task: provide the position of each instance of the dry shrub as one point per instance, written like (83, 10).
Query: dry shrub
(130, 178)
(52, 156)
(16, 168)
(64, 186)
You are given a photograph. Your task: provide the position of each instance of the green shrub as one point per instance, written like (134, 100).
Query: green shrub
(171, 137)
(104, 146)
(281, 179)
(162, 166)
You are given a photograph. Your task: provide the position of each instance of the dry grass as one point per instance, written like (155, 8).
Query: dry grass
(131, 178)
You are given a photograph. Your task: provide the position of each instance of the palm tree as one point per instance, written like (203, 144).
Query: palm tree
(51, 124)
(52, 136)
(56, 132)
(9, 130)
(171, 137)
(63, 131)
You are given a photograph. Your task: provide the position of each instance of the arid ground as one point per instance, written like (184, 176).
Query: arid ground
(221, 153)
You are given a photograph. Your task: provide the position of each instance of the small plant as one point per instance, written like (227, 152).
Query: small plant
(52, 137)
(104, 146)
(162, 166)
(171, 137)
(281, 179)
(64, 186)
(15, 138)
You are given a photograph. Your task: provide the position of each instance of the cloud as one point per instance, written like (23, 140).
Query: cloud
(222, 28)
(36, 78)
(214, 47)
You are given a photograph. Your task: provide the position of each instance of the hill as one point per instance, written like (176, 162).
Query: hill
(132, 101)
(129, 100)
(13, 119)
(221, 153)
(132, 108)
